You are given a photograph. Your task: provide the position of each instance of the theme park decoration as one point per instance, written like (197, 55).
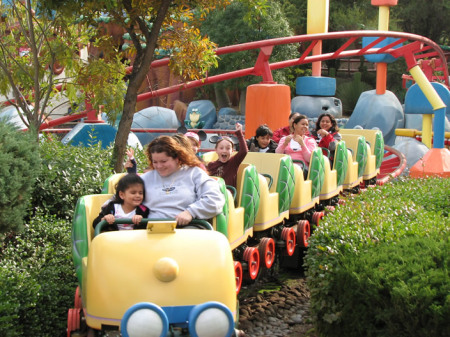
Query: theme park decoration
(194, 121)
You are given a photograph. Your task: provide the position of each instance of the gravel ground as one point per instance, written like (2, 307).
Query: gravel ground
(276, 308)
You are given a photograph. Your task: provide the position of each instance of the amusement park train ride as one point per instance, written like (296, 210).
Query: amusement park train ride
(167, 280)
(163, 279)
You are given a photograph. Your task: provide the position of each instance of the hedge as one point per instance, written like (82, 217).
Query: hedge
(37, 279)
(37, 276)
(379, 265)
(69, 172)
(19, 166)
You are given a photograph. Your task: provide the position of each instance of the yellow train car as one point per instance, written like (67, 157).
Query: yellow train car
(151, 281)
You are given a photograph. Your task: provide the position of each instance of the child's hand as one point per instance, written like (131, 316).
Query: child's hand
(136, 219)
(128, 164)
(109, 218)
(238, 127)
(130, 153)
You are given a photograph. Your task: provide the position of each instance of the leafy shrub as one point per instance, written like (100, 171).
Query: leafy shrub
(369, 225)
(395, 289)
(37, 279)
(69, 172)
(19, 165)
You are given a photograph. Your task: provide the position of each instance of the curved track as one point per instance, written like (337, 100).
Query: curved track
(394, 163)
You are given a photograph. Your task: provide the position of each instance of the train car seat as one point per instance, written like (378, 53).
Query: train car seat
(87, 209)
(329, 189)
(316, 172)
(248, 195)
(370, 171)
(302, 200)
(268, 213)
(231, 221)
(340, 162)
(281, 170)
(351, 178)
(358, 147)
(375, 140)
(209, 156)
(109, 186)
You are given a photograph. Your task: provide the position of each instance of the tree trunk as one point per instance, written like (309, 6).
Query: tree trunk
(120, 143)
(141, 65)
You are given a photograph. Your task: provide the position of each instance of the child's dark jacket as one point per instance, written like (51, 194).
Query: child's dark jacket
(109, 209)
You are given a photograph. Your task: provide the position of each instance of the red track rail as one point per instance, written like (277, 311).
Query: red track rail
(394, 163)
(415, 46)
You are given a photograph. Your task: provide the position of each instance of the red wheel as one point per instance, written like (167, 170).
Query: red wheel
(251, 256)
(288, 235)
(238, 274)
(77, 299)
(330, 208)
(303, 232)
(317, 216)
(267, 251)
(73, 321)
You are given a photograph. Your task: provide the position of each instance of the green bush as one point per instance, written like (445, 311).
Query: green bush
(69, 172)
(19, 166)
(360, 234)
(395, 289)
(37, 279)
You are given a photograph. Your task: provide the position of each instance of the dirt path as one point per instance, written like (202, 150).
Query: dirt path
(276, 307)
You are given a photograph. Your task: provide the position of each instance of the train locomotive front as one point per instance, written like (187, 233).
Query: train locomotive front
(156, 282)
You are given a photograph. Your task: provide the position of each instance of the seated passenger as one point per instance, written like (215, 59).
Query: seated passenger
(227, 166)
(262, 141)
(327, 133)
(298, 145)
(285, 131)
(188, 143)
(127, 203)
(177, 187)
(195, 141)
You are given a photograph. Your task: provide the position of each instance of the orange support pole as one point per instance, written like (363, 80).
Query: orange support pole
(317, 65)
(266, 104)
(381, 78)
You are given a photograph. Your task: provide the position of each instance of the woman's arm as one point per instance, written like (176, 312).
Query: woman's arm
(326, 140)
(329, 141)
(308, 147)
(210, 199)
(284, 141)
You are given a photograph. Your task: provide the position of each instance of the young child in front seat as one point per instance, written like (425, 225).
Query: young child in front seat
(127, 203)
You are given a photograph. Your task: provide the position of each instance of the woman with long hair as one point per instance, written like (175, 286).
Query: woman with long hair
(177, 186)
(327, 132)
(298, 145)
